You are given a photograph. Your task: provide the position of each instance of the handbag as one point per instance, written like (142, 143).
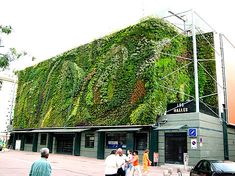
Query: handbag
(149, 163)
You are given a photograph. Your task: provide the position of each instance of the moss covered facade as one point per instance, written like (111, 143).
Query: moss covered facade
(121, 79)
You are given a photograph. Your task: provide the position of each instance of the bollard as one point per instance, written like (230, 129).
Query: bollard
(179, 173)
(170, 171)
(165, 173)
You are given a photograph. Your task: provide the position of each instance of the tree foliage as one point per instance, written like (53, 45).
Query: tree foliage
(12, 54)
(4, 62)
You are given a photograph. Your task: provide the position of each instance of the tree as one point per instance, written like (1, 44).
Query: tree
(4, 62)
(9, 56)
(12, 54)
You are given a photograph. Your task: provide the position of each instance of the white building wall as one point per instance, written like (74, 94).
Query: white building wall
(7, 101)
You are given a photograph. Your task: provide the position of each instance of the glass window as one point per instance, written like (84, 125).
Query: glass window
(225, 167)
(29, 139)
(206, 166)
(115, 140)
(89, 140)
(43, 139)
(198, 166)
(141, 141)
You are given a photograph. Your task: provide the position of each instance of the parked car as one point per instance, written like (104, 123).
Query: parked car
(213, 168)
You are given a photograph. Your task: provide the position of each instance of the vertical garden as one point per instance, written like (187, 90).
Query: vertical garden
(125, 78)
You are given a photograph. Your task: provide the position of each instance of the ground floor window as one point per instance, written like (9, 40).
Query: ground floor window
(141, 141)
(43, 139)
(115, 140)
(89, 140)
(64, 143)
(175, 147)
(28, 138)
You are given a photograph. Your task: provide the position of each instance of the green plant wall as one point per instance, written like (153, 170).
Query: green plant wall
(116, 80)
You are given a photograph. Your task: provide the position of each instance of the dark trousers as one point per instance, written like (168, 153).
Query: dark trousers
(110, 174)
(121, 172)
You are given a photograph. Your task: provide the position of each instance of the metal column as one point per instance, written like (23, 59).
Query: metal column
(195, 62)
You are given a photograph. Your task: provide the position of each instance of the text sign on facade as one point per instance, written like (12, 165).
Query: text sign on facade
(192, 132)
(187, 107)
(174, 108)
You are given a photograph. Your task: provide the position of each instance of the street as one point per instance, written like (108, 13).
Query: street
(18, 163)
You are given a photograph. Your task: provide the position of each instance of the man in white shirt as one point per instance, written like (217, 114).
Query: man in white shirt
(111, 165)
(121, 162)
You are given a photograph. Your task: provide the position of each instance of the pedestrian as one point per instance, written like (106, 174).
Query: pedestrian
(129, 163)
(136, 165)
(111, 164)
(155, 158)
(41, 167)
(146, 162)
(121, 162)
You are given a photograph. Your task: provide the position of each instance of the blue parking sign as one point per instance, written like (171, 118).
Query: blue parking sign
(192, 132)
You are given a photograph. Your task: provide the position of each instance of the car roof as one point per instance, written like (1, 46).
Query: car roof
(217, 161)
(212, 160)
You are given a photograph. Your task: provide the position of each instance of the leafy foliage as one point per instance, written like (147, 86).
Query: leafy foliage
(207, 84)
(5, 29)
(118, 79)
(12, 54)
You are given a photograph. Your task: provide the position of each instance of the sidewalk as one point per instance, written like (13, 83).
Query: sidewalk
(169, 169)
(18, 163)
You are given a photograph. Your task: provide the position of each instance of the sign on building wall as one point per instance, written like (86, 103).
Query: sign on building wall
(193, 143)
(200, 141)
(187, 107)
(182, 107)
(17, 145)
(192, 132)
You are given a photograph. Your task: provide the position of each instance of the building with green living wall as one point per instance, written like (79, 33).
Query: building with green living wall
(126, 78)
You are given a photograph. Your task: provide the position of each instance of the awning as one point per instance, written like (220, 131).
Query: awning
(59, 130)
(53, 131)
(118, 129)
(171, 127)
(21, 131)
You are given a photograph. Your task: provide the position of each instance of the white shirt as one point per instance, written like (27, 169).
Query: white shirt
(111, 166)
(121, 160)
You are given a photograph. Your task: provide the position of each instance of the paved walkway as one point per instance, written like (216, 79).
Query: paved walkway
(18, 163)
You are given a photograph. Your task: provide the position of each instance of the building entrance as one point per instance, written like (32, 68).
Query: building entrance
(175, 147)
(64, 144)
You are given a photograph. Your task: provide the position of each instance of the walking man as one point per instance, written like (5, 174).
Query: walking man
(111, 164)
(41, 167)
